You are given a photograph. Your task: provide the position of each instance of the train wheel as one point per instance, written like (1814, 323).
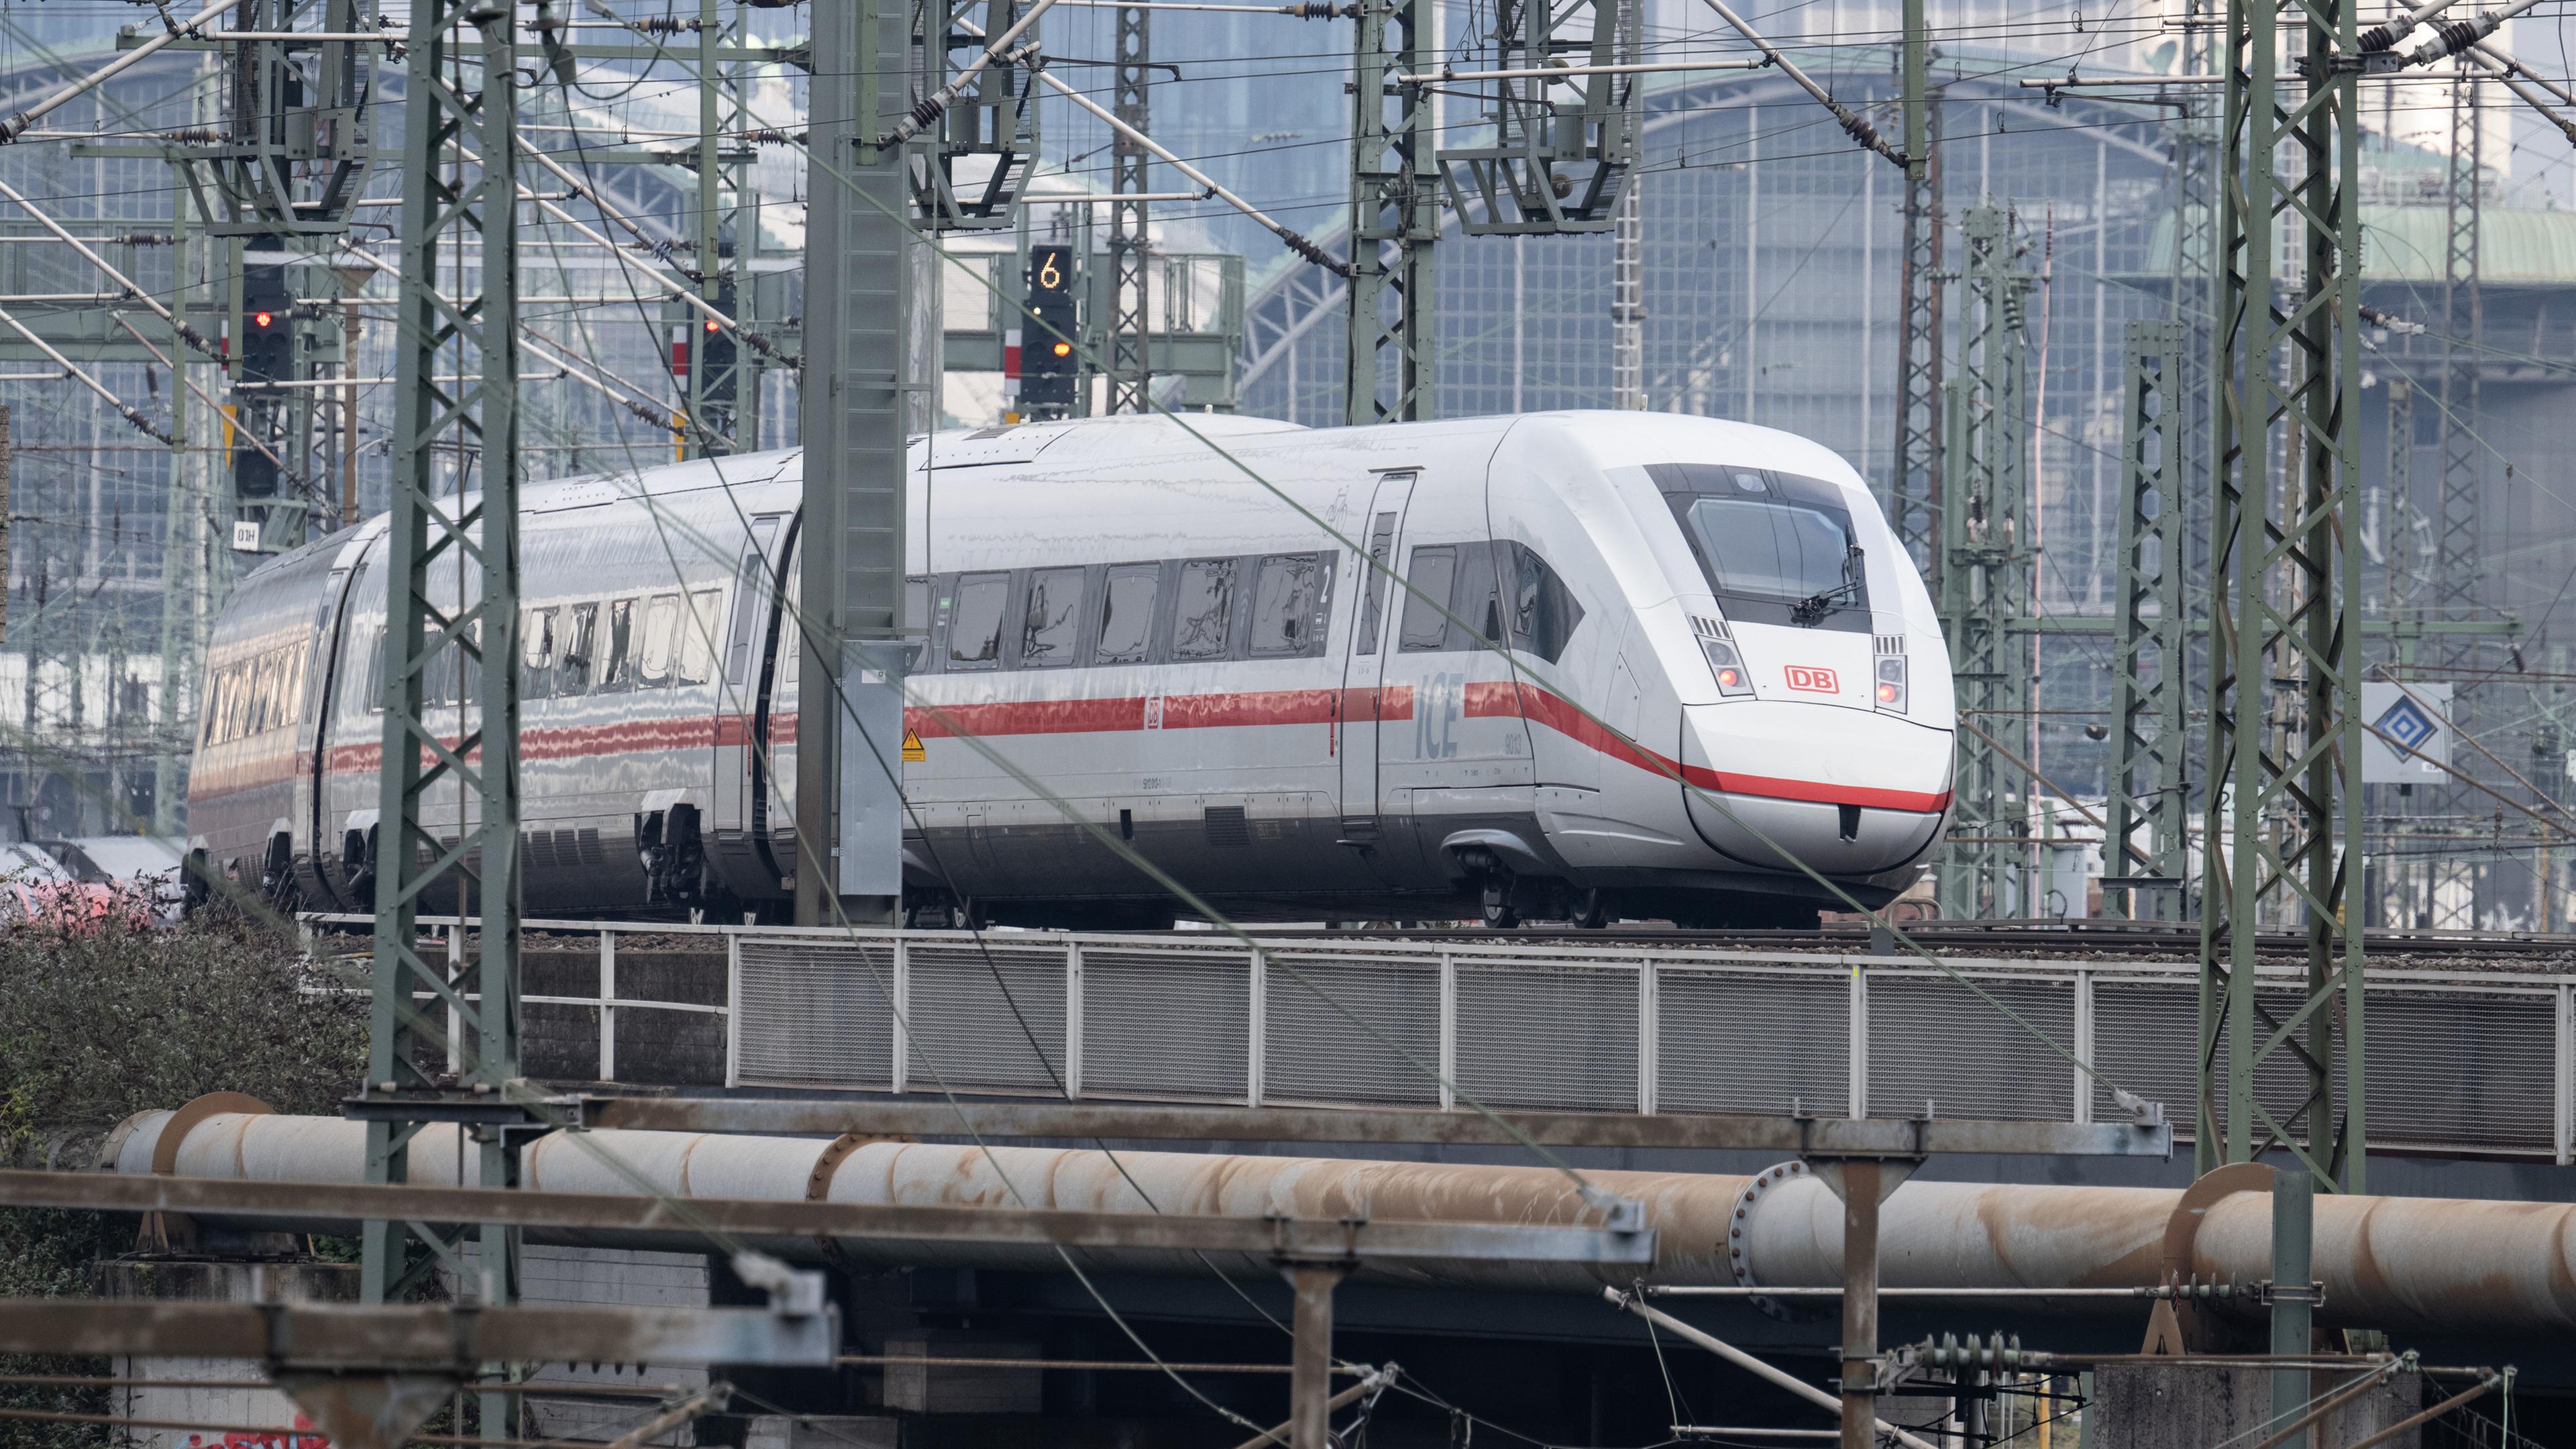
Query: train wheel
(1500, 913)
(1589, 910)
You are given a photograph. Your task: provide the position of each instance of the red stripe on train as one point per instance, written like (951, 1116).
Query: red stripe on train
(1510, 697)
(1251, 709)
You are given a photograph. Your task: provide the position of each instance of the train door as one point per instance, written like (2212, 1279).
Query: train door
(1364, 662)
(741, 854)
(313, 736)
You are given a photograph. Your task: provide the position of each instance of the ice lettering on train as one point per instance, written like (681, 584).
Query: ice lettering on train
(1435, 716)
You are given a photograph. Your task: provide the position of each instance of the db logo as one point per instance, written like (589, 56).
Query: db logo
(1813, 680)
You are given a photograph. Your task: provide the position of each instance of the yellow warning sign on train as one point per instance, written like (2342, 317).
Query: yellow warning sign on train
(912, 750)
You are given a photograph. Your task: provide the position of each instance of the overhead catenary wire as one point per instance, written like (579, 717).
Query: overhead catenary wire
(1296, 240)
(71, 369)
(16, 124)
(1854, 124)
(126, 285)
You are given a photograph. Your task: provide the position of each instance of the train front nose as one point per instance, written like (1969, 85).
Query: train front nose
(1851, 792)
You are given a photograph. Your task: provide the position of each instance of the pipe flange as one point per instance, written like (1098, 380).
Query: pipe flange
(1739, 1221)
(827, 1165)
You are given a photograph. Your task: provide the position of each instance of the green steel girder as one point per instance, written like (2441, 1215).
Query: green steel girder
(2463, 320)
(1395, 219)
(451, 682)
(2147, 819)
(2283, 784)
(1128, 356)
(1986, 567)
(1914, 490)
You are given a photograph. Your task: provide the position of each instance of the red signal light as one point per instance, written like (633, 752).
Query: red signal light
(1887, 694)
(262, 319)
(711, 325)
(1728, 678)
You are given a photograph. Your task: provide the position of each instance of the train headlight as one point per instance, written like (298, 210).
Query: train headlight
(1733, 679)
(1890, 691)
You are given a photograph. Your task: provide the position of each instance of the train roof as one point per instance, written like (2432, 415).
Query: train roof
(1612, 439)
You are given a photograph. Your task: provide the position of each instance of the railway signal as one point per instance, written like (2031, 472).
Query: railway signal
(1050, 372)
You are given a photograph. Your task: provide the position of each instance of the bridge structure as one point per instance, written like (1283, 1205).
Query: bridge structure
(2469, 1061)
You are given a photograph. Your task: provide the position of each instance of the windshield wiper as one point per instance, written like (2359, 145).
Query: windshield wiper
(1811, 610)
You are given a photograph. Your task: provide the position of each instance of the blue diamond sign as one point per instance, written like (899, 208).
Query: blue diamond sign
(2408, 724)
(2408, 735)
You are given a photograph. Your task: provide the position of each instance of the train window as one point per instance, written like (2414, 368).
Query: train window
(975, 623)
(1288, 603)
(1373, 580)
(697, 649)
(218, 703)
(617, 657)
(372, 688)
(1777, 548)
(580, 635)
(1051, 619)
(1203, 609)
(537, 654)
(661, 624)
(1479, 599)
(1544, 612)
(746, 592)
(1431, 572)
(1127, 614)
(1767, 550)
(916, 622)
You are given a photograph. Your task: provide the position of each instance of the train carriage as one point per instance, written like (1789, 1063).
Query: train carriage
(1119, 634)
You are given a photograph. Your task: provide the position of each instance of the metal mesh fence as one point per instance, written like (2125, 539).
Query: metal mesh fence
(988, 1016)
(2467, 1064)
(1166, 1024)
(1316, 1049)
(1742, 1042)
(1545, 1036)
(2451, 1069)
(818, 1015)
(1932, 1041)
(2144, 1035)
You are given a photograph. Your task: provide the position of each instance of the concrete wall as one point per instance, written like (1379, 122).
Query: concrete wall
(2137, 1407)
(216, 1410)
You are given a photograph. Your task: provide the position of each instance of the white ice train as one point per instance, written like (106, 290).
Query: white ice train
(1121, 613)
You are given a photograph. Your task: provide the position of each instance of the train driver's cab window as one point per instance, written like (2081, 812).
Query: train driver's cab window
(617, 647)
(537, 654)
(696, 647)
(661, 632)
(573, 661)
(1777, 548)
(1127, 614)
(975, 621)
(1289, 604)
(1050, 618)
(1543, 609)
(1432, 572)
(1203, 609)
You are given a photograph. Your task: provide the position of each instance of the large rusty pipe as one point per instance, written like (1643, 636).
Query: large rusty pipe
(2420, 1263)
